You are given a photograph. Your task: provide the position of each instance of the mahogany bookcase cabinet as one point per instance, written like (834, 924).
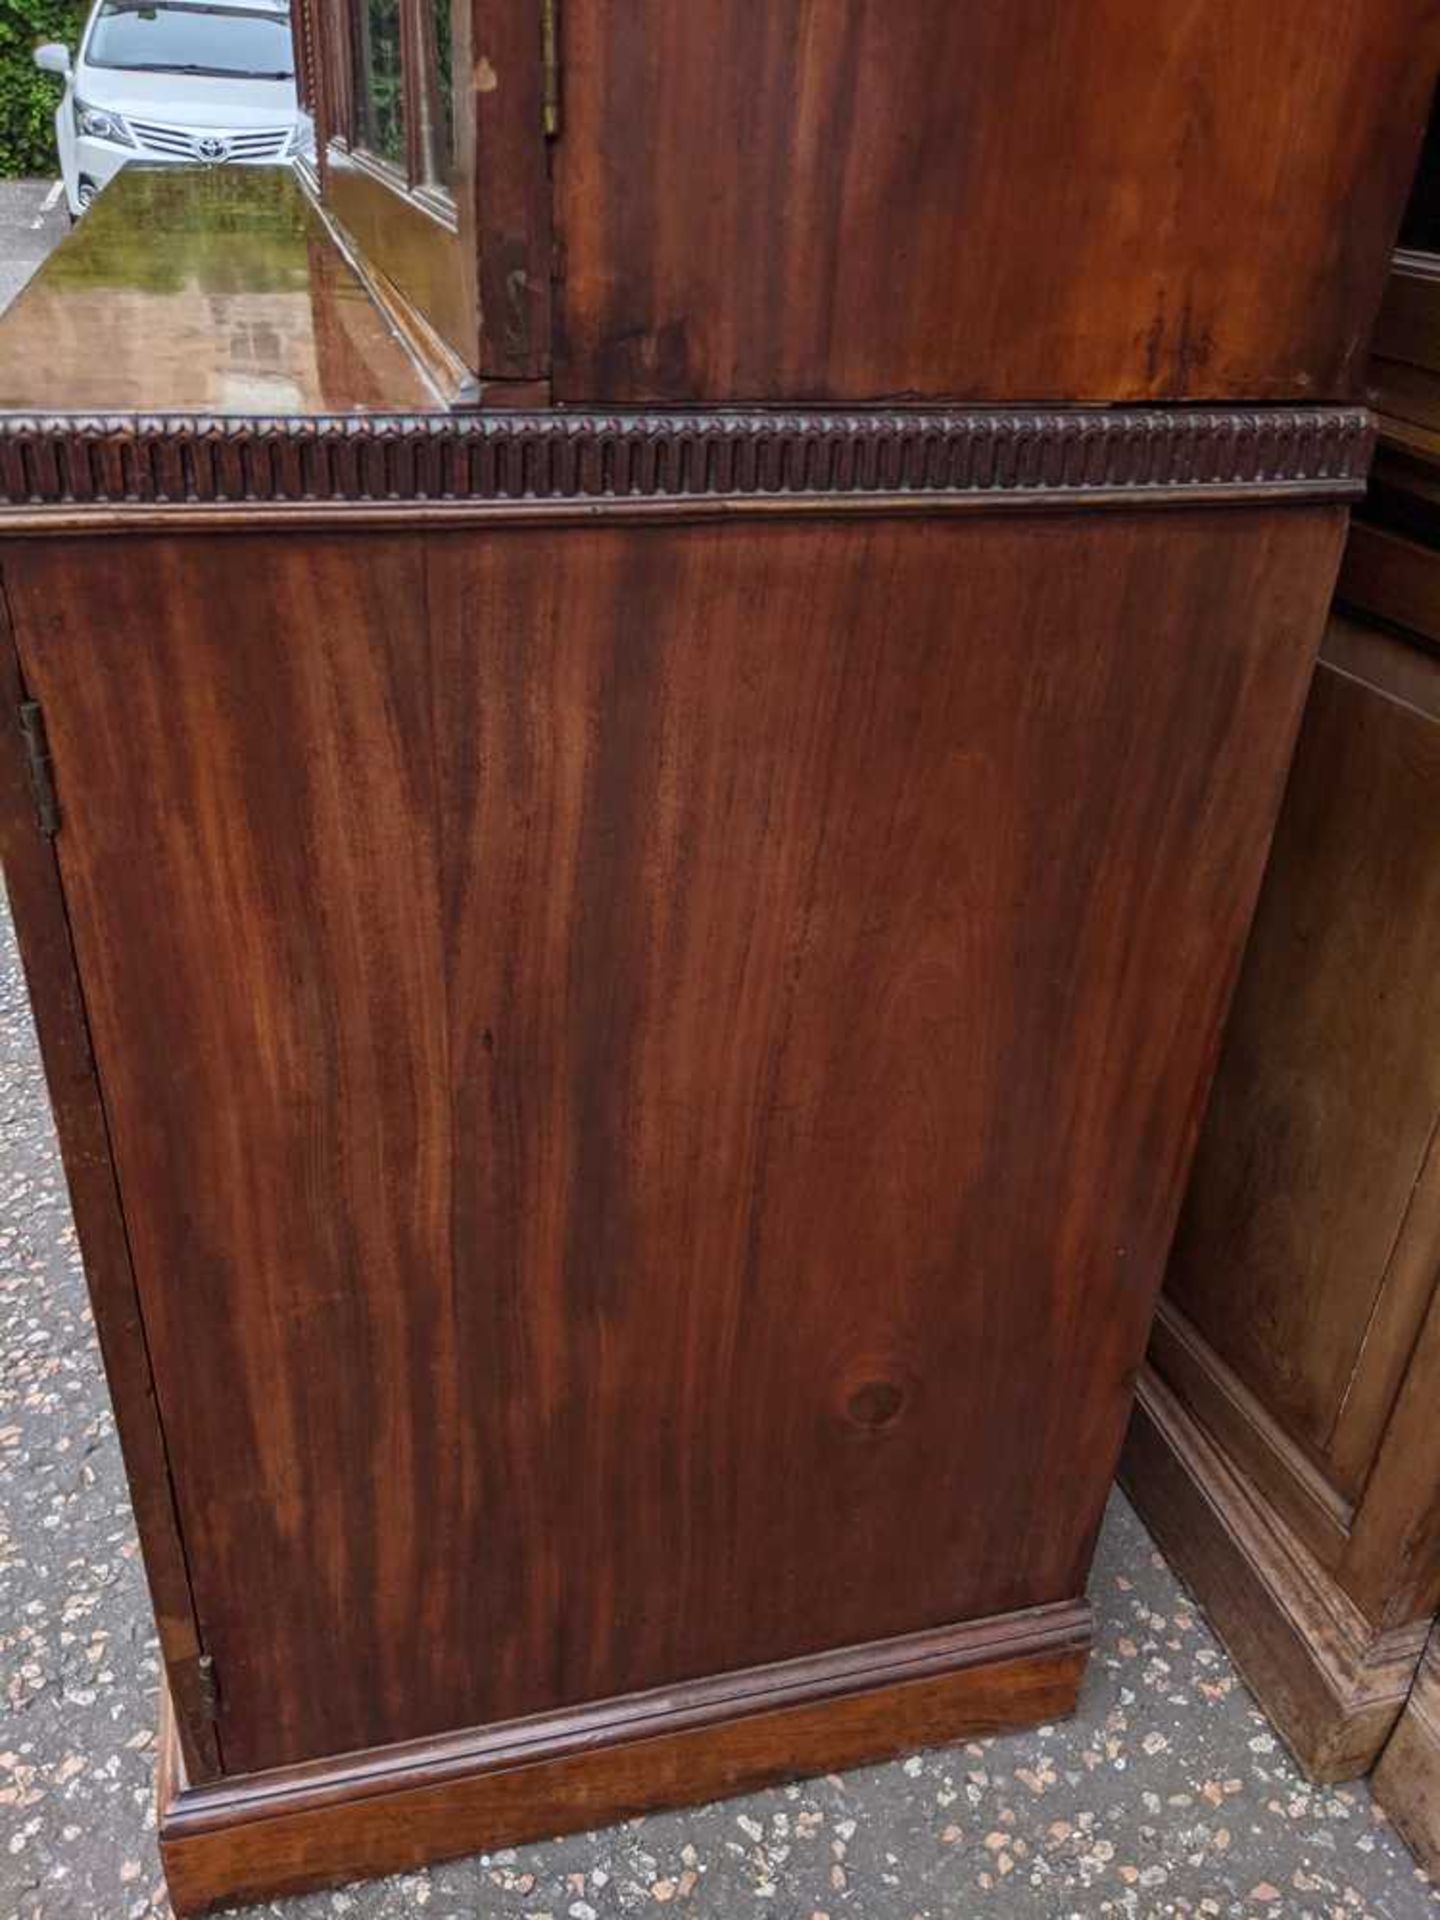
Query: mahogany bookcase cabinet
(641, 727)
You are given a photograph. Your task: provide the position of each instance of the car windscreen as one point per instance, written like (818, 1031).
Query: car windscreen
(169, 39)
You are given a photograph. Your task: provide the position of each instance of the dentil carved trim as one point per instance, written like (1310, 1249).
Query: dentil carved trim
(370, 460)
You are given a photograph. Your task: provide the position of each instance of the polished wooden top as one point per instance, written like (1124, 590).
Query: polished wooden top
(213, 289)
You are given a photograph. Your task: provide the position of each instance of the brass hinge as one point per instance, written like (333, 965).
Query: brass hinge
(550, 67)
(42, 770)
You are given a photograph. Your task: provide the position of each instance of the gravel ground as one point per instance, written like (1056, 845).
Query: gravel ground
(30, 225)
(1168, 1794)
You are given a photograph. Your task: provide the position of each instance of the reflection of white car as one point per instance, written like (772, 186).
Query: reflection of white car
(158, 80)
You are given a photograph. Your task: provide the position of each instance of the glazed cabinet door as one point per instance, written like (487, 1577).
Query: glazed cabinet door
(649, 1101)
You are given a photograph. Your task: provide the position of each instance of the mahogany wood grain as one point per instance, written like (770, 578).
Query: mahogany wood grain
(1327, 1099)
(282, 896)
(335, 77)
(1085, 199)
(383, 1811)
(646, 1062)
(503, 45)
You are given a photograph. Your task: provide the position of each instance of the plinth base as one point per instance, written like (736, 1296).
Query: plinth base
(1332, 1683)
(393, 1808)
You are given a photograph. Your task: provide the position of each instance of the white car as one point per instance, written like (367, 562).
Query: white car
(167, 80)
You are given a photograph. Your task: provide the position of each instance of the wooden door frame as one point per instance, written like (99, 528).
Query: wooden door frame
(479, 274)
(504, 156)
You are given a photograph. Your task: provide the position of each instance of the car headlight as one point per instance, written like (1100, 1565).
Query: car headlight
(101, 125)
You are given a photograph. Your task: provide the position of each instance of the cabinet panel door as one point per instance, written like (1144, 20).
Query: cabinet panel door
(650, 1102)
(1077, 199)
(1297, 1255)
(248, 860)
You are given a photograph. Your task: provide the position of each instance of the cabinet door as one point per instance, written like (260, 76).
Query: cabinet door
(650, 1068)
(1070, 200)
(1305, 1256)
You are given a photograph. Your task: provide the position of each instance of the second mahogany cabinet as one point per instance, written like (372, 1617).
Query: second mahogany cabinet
(1285, 1448)
(631, 854)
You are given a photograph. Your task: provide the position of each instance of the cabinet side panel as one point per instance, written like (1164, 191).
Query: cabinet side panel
(652, 1099)
(841, 922)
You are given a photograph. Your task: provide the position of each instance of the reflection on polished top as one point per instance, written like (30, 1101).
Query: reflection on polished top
(214, 290)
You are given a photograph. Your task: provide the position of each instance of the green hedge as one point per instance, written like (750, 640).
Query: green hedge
(28, 97)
